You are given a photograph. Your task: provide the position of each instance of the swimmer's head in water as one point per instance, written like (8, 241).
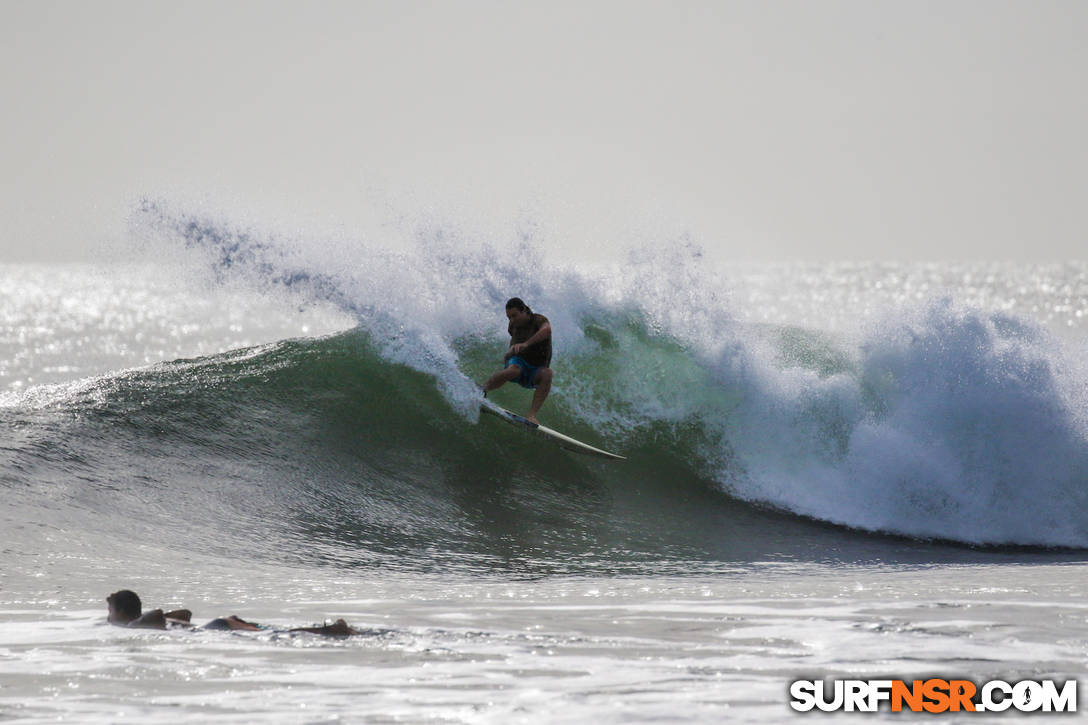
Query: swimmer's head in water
(124, 606)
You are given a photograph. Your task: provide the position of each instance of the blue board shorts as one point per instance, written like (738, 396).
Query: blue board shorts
(528, 372)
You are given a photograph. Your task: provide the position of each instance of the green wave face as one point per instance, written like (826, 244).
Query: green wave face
(322, 450)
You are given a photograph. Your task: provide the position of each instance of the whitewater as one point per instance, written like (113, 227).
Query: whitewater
(855, 470)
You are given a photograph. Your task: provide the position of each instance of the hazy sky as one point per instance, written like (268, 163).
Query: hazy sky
(814, 130)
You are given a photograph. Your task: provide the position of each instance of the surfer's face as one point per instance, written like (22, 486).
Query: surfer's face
(516, 316)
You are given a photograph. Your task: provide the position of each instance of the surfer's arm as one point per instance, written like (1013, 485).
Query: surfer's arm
(543, 333)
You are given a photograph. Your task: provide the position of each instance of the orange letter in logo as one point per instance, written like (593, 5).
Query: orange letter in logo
(960, 694)
(911, 695)
(936, 691)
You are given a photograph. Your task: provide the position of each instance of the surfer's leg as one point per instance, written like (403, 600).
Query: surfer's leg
(543, 382)
(501, 378)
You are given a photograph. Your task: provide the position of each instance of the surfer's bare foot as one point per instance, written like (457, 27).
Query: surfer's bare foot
(532, 419)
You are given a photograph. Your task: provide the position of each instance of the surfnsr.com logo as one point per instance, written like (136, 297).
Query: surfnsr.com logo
(933, 695)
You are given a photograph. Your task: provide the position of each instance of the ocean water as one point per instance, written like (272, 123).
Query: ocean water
(840, 470)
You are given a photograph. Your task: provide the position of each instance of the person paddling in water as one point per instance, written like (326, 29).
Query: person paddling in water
(126, 610)
(529, 355)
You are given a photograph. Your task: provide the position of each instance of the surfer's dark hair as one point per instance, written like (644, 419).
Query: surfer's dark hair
(517, 304)
(126, 603)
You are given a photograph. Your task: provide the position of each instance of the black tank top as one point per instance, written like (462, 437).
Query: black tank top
(539, 354)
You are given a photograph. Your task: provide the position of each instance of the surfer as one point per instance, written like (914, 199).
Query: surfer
(126, 610)
(529, 355)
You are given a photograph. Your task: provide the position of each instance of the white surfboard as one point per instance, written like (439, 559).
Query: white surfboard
(564, 441)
